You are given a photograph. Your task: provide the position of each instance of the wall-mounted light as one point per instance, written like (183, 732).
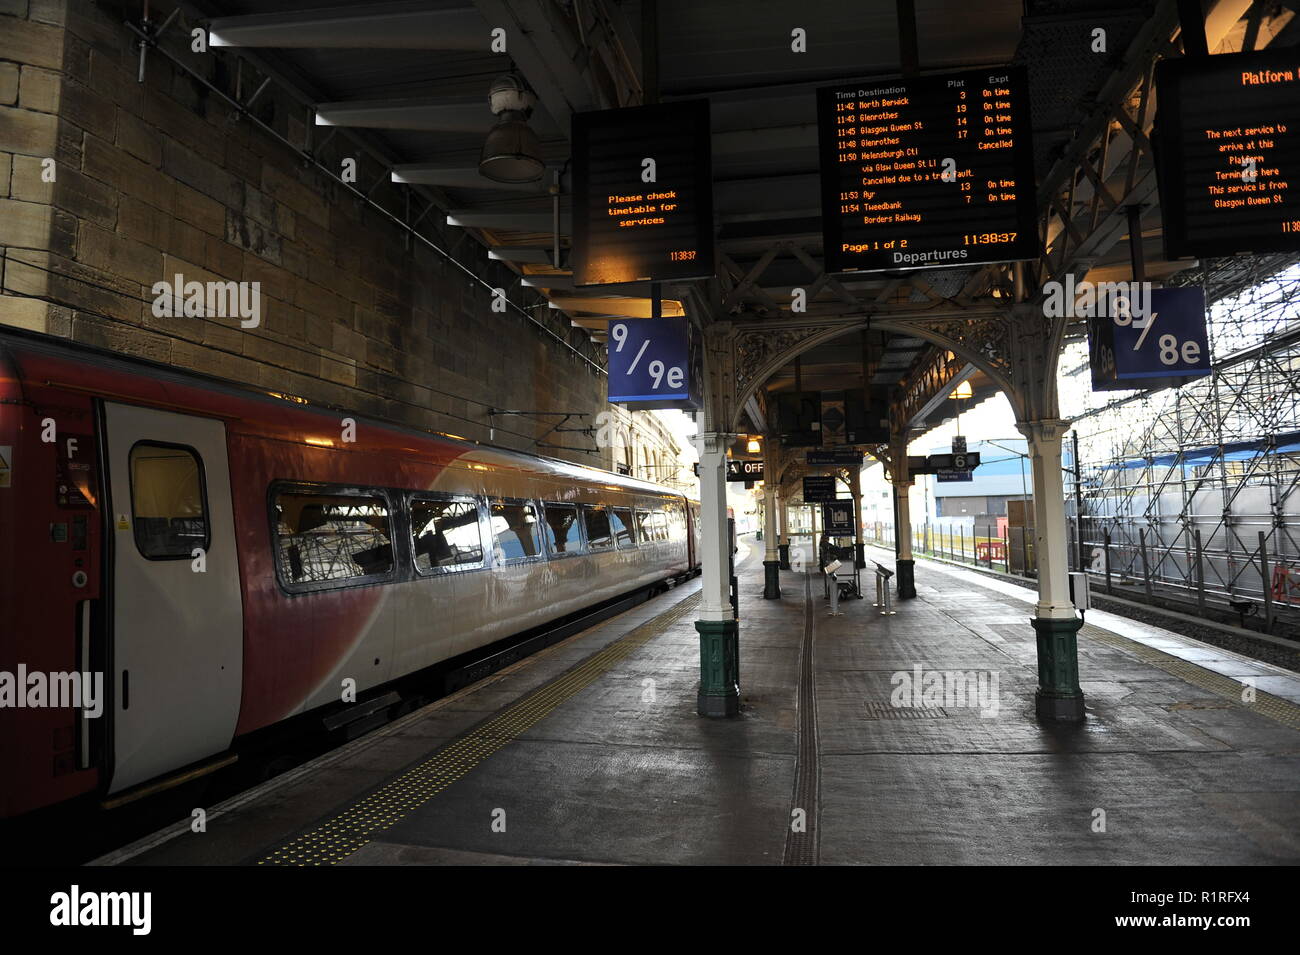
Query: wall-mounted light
(512, 152)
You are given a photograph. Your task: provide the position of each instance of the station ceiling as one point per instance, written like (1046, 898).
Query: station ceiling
(415, 76)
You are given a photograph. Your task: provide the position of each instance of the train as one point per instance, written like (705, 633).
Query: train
(186, 562)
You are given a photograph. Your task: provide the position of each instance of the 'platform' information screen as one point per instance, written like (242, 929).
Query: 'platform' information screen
(927, 171)
(1228, 150)
(642, 194)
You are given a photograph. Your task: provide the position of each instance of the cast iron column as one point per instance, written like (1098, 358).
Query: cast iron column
(1056, 624)
(771, 554)
(719, 692)
(855, 488)
(783, 552)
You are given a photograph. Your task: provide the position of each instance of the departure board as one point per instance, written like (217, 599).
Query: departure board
(642, 194)
(927, 171)
(1228, 152)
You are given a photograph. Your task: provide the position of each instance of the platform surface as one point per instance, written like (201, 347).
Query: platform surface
(591, 752)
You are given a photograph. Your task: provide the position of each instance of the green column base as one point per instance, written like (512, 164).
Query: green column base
(771, 580)
(906, 570)
(719, 693)
(1059, 698)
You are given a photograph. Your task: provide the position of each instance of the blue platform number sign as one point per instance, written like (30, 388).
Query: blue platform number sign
(1166, 346)
(649, 362)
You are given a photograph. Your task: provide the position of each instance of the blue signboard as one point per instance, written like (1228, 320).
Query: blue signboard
(650, 363)
(1167, 346)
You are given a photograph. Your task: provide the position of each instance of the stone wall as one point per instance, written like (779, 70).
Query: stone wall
(160, 178)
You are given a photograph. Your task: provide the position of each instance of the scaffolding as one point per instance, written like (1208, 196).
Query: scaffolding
(1189, 493)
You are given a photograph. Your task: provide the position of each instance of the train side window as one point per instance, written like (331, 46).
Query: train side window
(562, 531)
(515, 534)
(599, 535)
(328, 538)
(644, 527)
(445, 535)
(621, 523)
(660, 526)
(168, 503)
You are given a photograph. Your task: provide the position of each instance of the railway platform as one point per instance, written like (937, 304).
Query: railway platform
(902, 739)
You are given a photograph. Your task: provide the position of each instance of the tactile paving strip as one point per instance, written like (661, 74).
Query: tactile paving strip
(339, 837)
(1265, 704)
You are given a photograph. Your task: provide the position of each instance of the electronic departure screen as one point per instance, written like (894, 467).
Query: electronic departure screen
(628, 229)
(1228, 152)
(927, 171)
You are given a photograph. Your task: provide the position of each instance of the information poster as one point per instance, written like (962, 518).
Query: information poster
(927, 171)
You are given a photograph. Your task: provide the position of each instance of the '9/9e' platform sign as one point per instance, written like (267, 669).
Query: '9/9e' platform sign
(642, 194)
(651, 363)
(1167, 346)
(1227, 140)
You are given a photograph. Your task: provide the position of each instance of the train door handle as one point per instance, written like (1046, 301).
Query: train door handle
(126, 689)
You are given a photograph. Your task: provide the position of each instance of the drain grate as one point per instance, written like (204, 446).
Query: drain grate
(801, 846)
(876, 710)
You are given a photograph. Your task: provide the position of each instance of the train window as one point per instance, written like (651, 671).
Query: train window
(329, 538)
(599, 535)
(660, 526)
(445, 535)
(169, 510)
(562, 531)
(621, 522)
(643, 529)
(515, 534)
(676, 524)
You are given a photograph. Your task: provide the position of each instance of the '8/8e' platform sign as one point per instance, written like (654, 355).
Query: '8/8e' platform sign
(1167, 345)
(650, 363)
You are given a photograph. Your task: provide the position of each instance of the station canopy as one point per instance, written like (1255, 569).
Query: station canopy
(412, 81)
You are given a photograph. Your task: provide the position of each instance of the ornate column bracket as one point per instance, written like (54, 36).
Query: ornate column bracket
(1035, 341)
(983, 341)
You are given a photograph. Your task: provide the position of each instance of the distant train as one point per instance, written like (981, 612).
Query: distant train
(226, 560)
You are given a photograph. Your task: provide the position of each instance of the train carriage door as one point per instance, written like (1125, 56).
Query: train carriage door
(177, 638)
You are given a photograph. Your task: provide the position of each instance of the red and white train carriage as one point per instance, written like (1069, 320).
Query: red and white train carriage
(227, 560)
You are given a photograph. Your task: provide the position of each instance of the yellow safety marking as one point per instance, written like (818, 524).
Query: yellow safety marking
(335, 840)
(1265, 704)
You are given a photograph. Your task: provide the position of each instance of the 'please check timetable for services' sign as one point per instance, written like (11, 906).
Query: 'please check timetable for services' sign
(642, 194)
